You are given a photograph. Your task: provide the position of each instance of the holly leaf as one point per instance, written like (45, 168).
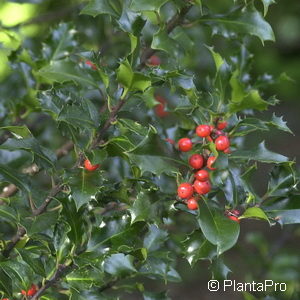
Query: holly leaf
(198, 248)
(289, 216)
(243, 21)
(259, 153)
(119, 264)
(254, 212)
(144, 5)
(18, 131)
(217, 229)
(98, 7)
(65, 70)
(42, 156)
(9, 175)
(278, 123)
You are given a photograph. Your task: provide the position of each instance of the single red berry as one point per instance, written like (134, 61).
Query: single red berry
(233, 218)
(154, 60)
(88, 166)
(185, 144)
(196, 161)
(32, 291)
(185, 190)
(210, 162)
(227, 150)
(5, 299)
(202, 175)
(192, 204)
(203, 130)
(172, 142)
(222, 143)
(160, 108)
(202, 187)
(24, 293)
(222, 125)
(89, 63)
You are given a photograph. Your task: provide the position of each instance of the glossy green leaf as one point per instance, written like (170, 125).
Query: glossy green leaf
(288, 216)
(9, 175)
(18, 131)
(5, 283)
(154, 238)
(153, 164)
(34, 262)
(119, 264)
(259, 153)
(249, 125)
(266, 4)
(162, 41)
(278, 123)
(217, 229)
(42, 156)
(130, 80)
(65, 70)
(251, 100)
(217, 58)
(197, 248)
(144, 5)
(245, 21)
(141, 209)
(98, 7)
(282, 180)
(254, 212)
(219, 270)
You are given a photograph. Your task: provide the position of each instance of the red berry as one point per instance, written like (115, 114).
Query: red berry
(233, 218)
(32, 291)
(222, 143)
(222, 125)
(196, 161)
(89, 63)
(211, 127)
(185, 144)
(210, 162)
(172, 142)
(154, 60)
(88, 166)
(185, 190)
(227, 151)
(23, 293)
(192, 204)
(203, 130)
(202, 187)
(5, 299)
(202, 175)
(160, 108)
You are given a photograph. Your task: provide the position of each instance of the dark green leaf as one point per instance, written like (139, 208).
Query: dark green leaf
(9, 175)
(119, 264)
(65, 70)
(197, 248)
(291, 216)
(154, 238)
(5, 283)
(141, 209)
(18, 131)
(98, 7)
(34, 262)
(259, 153)
(42, 156)
(144, 5)
(218, 229)
(279, 124)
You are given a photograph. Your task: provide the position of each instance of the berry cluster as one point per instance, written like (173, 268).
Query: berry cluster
(201, 183)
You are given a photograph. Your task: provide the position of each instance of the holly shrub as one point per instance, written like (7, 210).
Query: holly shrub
(132, 140)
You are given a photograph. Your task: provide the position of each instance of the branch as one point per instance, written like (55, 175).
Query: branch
(11, 189)
(22, 231)
(61, 271)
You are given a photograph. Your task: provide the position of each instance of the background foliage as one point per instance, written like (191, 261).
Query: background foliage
(120, 232)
